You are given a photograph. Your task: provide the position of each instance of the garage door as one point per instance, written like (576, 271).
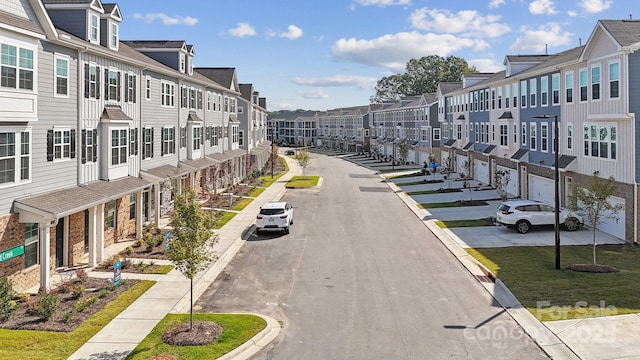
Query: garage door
(541, 189)
(411, 157)
(512, 186)
(481, 171)
(460, 160)
(614, 227)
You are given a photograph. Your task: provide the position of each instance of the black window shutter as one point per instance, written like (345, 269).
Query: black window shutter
(135, 88)
(144, 144)
(73, 143)
(152, 142)
(49, 145)
(95, 145)
(106, 84)
(126, 87)
(162, 149)
(174, 140)
(84, 147)
(86, 80)
(97, 82)
(136, 134)
(118, 86)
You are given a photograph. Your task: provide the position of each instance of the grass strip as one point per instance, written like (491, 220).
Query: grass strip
(242, 204)
(224, 218)
(451, 204)
(257, 191)
(431, 192)
(302, 181)
(163, 269)
(464, 223)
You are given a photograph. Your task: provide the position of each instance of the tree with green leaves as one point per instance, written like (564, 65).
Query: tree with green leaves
(403, 151)
(191, 249)
(421, 76)
(303, 158)
(594, 204)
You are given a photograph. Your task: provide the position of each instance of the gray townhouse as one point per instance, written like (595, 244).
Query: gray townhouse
(98, 132)
(252, 114)
(297, 128)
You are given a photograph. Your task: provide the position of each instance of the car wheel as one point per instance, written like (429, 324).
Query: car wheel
(286, 230)
(523, 226)
(258, 231)
(571, 224)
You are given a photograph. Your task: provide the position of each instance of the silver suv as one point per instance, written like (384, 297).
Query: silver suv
(523, 214)
(275, 215)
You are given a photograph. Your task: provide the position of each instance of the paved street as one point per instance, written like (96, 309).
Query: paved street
(361, 277)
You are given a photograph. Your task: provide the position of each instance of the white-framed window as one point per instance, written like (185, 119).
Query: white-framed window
(147, 87)
(436, 134)
(568, 87)
(168, 93)
(17, 70)
(544, 137)
(130, 88)
(569, 136)
(523, 94)
(15, 156)
(595, 82)
(209, 101)
(90, 146)
(113, 36)
(111, 215)
(119, 146)
(507, 96)
(133, 142)
(533, 141)
(197, 135)
(240, 138)
(132, 206)
(459, 131)
(168, 141)
(583, 84)
(493, 99)
(94, 28)
(61, 81)
(614, 80)
(476, 132)
(600, 141)
(147, 143)
(234, 134)
(533, 92)
(61, 144)
(504, 135)
(113, 87)
(182, 62)
(514, 87)
(555, 89)
(515, 134)
(486, 99)
(499, 97)
(544, 91)
(92, 81)
(192, 98)
(524, 134)
(215, 134)
(31, 238)
(493, 132)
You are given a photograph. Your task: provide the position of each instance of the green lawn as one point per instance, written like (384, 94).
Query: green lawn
(26, 344)
(226, 216)
(302, 181)
(242, 204)
(257, 191)
(529, 272)
(464, 223)
(421, 182)
(238, 329)
(404, 176)
(451, 204)
(431, 192)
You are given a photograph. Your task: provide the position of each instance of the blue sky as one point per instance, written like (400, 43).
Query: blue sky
(326, 54)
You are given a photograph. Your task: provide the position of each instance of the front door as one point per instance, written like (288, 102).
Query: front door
(86, 231)
(60, 243)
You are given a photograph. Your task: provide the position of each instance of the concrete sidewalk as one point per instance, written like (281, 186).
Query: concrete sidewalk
(171, 293)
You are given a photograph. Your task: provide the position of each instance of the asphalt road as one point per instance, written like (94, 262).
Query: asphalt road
(360, 277)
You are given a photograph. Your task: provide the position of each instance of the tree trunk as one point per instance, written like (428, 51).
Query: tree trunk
(594, 245)
(191, 305)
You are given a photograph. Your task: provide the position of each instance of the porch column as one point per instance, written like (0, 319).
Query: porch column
(99, 233)
(92, 237)
(45, 256)
(156, 203)
(139, 220)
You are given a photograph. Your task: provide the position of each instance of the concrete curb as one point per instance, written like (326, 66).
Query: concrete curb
(256, 343)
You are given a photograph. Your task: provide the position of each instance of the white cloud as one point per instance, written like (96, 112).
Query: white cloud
(242, 30)
(540, 7)
(166, 19)
(293, 32)
(383, 3)
(572, 13)
(486, 65)
(394, 50)
(496, 3)
(361, 82)
(466, 22)
(313, 94)
(595, 6)
(550, 35)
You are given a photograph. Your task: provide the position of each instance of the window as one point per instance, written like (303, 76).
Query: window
(182, 62)
(475, 101)
(583, 84)
(168, 94)
(544, 91)
(523, 94)
(459, 131)
(114, 36)
(493, 132)
(183, 137)
(544, 137)
(568, 86)
(132, 206)
(133, 141)
(62, 76)
(601, 138)
(168, 140)
(130, 88)
(197, 135)
(486, 99)
(524, 134)
(147, 93)
(94, 29)
(493, 99)
(476, 136)
(532, 136)
(89, 145)
(436, 134)
(595, 83)
(515, 95)
(235, 135)
(481, 100)
(119, 140)
(30, 244)
(112, 89)
(500, 97)
(62, 144)
(240, 138)
(507, 96)
(192, 98)
(91, 81)
(15, 155)
(569, 136)
(555, 89)
(515, 134)
(199, 99)
(226, 104)
(533, 92)
(111, 215)
(209, 101)
(614, 80)
(504, 135)
(147, 143)
(17, 67)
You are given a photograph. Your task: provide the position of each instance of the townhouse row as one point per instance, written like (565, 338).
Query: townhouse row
(97, 134)
(504, 123)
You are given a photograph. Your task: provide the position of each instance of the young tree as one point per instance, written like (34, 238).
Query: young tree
(502, 178)
(594, 204)
(467, 176)
(191, 250)
(403, 151)
(303, 158)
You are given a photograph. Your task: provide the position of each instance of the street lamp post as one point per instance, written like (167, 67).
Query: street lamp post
(557, 185)
(393, 161)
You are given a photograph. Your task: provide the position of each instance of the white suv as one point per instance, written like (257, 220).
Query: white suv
(275, 215)
(522, 214)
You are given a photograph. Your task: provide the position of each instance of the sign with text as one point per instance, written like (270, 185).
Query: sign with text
(117, 273)
(167, 238)
(11, 253)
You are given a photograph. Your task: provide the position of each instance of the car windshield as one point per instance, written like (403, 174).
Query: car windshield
(271, 211)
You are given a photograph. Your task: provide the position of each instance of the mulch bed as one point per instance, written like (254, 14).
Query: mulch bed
(24, 319)
(592, 268)
(203, 332)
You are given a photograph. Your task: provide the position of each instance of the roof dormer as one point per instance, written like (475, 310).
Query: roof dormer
(190, 54)
(78, 17)
(109, 24)
(172, 53)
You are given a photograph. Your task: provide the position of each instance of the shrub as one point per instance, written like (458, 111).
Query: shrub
(82, 275)
(78, 291)
(137, 243)
(91, 300)
(104, 293)
(81, 305)
(67, 316)
(128, 250)
(126, 263)
(46, 306)
(152, 240)
(6, 296)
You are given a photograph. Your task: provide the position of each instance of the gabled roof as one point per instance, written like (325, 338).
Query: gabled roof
(7, 19)
(156, 44)
(246, 91)
(85, 4)
(225, 76)
(448, 87)
(624, 32)
(113, 10)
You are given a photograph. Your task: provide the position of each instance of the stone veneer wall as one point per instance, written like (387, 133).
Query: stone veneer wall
(76, 239)
(12, 235)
